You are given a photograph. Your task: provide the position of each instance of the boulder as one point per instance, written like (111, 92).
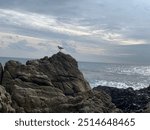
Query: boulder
(5, 101)
(128, 100)
(52, 84)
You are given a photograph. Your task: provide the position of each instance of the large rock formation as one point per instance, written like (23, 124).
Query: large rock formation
(52, 84)
(129, 100)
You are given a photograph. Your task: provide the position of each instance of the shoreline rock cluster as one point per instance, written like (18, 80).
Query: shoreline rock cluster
(129, 100)
(50, 84)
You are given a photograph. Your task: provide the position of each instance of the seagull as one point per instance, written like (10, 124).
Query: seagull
(60, 48)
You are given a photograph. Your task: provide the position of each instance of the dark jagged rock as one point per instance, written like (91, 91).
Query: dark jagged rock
(129, 100)
(52, 84)
(1, 73)
(5, 101)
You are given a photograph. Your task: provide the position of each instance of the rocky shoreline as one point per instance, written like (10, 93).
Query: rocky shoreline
(129, 100)
(55, 84)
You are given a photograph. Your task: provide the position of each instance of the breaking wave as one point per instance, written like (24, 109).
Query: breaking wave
(135, 86)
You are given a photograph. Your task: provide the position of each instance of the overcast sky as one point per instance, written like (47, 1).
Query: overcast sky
(90, 30)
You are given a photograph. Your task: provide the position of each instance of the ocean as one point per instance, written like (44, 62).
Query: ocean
(116, 75)
(109, 74)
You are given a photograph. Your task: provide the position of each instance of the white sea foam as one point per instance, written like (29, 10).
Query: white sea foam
(116, 75)
(135, 86)
(131, 70)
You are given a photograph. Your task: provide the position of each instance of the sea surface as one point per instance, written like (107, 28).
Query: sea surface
(109, 74)
(116, 75)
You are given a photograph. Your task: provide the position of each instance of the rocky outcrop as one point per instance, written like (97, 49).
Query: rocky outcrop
(129, 100)
(1, 73)
(52, 84)
(5, 101)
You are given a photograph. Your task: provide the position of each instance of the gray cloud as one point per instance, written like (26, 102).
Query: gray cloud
(117, 30)
(22, 46)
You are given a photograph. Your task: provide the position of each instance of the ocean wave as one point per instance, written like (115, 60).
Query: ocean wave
(132, 70)
(135, 86)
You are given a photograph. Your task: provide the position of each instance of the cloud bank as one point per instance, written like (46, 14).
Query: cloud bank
(90, 30)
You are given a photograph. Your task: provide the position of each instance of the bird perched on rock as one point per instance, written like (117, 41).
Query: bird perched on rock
(60, 48)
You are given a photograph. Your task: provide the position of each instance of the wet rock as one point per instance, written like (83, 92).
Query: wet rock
(128, 100)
